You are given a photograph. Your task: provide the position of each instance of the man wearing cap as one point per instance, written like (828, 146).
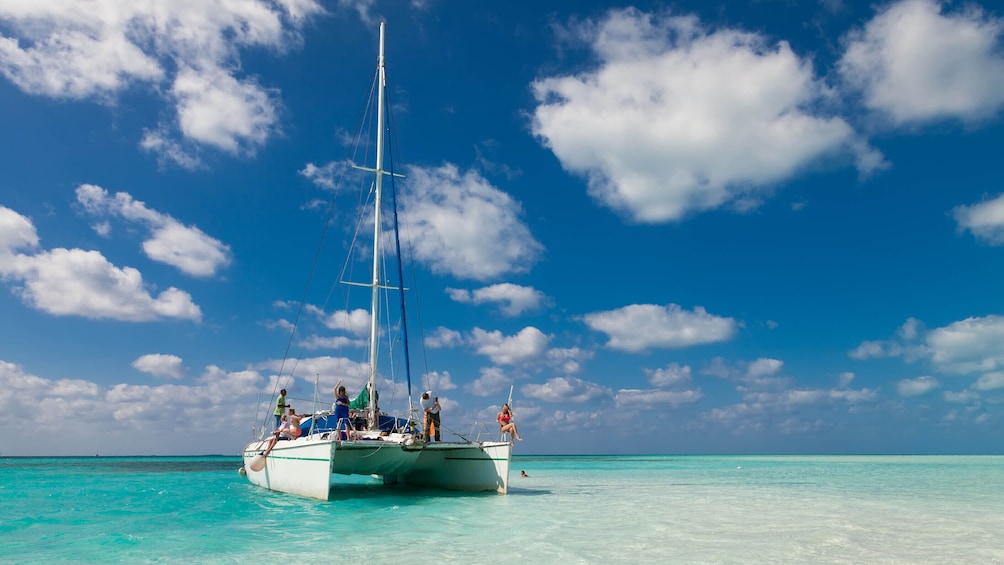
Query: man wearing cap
(431, 408)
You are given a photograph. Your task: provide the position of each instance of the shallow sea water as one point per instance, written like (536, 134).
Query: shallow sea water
(585, 509)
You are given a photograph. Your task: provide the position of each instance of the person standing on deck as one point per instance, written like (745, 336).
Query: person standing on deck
(341, 409)
(431, 408)
(280, 408)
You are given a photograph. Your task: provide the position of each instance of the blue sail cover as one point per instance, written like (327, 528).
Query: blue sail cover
(327, 423)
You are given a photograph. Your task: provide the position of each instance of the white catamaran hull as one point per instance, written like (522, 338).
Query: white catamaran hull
(305, 466)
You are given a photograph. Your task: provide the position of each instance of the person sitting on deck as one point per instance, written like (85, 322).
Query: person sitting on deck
(285, 432)
(294, 423)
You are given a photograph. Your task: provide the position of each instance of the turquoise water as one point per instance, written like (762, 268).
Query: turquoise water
(632, 509)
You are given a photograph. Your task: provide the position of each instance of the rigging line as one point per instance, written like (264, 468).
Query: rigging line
(320, 244)
(365, 196)
(361, 204)
(400, 274)
(397, 240)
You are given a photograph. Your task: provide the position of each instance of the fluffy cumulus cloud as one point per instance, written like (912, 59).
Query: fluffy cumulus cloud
(672, 388)
(438, 381)
(990, 381)
(968, 346)
(676, 119)
(963, 348)
(568, 360)
(356, 321)
(76, 282)
(529, 344)
(441, 338)
(186, 248)
(672, 376)
(137, 410)
(907, 343)
(764, 368)
(645, 326)
(513, 299)
(298, 377)
(916, 61)
(916, 387)
(633, 398)
(771, 400)
(188, 51)
(462, 225)
(493, 380)
(984, 220)
(160, 365)
(566, 389)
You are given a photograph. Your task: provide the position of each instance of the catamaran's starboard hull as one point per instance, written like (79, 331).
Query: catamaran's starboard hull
(305, 466)
(462, 466)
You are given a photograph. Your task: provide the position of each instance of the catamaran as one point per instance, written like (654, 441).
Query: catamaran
(389, 448)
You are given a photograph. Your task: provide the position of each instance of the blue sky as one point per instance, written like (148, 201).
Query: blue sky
(769, 227)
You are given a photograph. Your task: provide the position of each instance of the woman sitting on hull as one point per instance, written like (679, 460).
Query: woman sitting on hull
(505, 420)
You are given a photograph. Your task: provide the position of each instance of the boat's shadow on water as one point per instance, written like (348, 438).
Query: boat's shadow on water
(407, 494)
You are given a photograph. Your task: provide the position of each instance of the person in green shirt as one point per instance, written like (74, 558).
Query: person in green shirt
(280, 408)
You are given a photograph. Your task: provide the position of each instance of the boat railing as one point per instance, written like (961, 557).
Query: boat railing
(486, 431)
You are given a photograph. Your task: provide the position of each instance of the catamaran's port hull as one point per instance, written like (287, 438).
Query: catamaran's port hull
(306, 466)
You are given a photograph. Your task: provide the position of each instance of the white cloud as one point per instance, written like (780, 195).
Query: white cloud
(632, 398)
(101, 48)
(870, 349)
(764, 368)
(759, 409)
(568, 360)
(968, 346)
(331, 342)
(985, 220)
(16, 232)
(442, 338)
(160, 365)
(513, 298)
(75, 282)
(853, 396)
(962, 397)
(990, 381)
(674, 375)
(529, 344)
(643, 326)
(462, 225)
(356, 322)
(678, 119)
(168, 150)
(327, 369)
(844, 379)
(216, 109)
(438, 381)
(188, 249)
(915, 64)
(905, 344)
(325, 176)
(917, 386)
(566, 389)
(167, 410)
(492, 381)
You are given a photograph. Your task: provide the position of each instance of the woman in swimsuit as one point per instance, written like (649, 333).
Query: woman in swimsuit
(505, 421)
(343, 423)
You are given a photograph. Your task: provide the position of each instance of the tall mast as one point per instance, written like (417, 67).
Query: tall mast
(375, 304)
